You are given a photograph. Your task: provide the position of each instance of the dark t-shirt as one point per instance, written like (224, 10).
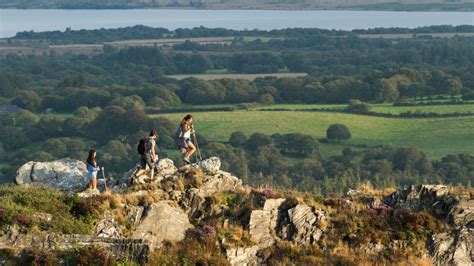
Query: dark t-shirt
(150, 143)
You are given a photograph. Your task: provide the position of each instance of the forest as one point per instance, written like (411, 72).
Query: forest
(70, 103)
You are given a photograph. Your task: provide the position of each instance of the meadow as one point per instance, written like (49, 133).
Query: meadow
(387, 108)
(435, 136)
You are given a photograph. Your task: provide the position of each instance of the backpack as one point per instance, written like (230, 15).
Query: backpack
(141, 147)
(178, 135)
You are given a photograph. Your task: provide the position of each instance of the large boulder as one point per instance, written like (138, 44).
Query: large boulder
(63, 174)
(303, 225)
(453, 248)
(263, 223)
(243, 256)
(162, 222)
(219, 182)
(211, 165)
(456, 246)
(165, 167)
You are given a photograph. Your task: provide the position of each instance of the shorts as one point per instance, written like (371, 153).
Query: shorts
(146, 160)
(92, 176)
(183, 144)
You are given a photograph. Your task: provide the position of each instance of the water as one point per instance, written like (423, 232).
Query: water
(15, 20)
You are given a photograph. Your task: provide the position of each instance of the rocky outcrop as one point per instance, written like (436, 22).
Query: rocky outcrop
(455, 247)
(211, 165)
(135, 249)
(222, 181)
(107, 227)
(303, 226)
(243, 256)
(64, 174)
(299, 224)
(160, 222)
(264, 222)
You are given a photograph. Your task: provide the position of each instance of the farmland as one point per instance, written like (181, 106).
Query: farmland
(388, 108)
(237, 76)
(435, 136)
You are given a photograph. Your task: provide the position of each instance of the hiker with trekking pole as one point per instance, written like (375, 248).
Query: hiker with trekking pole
(92, 169)
(185, 133)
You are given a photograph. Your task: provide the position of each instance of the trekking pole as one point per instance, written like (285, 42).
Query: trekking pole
(103, 176)
(198, 151)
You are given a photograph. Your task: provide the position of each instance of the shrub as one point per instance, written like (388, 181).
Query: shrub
(238, 139)
(338, 132)
(266, 99)
(358, 107)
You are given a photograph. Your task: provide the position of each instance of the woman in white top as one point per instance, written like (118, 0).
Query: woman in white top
(187, 147)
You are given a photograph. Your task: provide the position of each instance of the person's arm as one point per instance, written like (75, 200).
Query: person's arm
(153, 149)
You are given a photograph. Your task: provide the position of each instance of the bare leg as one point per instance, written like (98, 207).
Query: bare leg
(191, 150)
(94, 183)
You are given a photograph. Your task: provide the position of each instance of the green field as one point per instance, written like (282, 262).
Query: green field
(387, 108)
(261, 38)
(435, 136)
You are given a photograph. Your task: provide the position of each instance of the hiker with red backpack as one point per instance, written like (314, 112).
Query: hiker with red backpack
(147, 150)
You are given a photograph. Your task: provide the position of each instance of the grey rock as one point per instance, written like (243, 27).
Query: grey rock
(456, 246)
(162, 222)
(23, 174)
(243, 256)
(453, 248)
(211, 165)
(107, 227)
(133, 214)
(131, 249)
(220, 182)
(65, 174)
(45, 217)
(304, 223)
(165, 167)
(263, 223)
(89, 193)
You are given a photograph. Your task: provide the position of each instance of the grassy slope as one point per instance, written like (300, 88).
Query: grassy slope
(435, 136)
(387, 108)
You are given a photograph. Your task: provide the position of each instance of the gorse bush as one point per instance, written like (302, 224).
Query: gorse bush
(21, 206)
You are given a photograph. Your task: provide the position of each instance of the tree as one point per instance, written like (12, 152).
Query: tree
(453, 86)
(266, 99)
(386, 91)
(338, 132)
(28, 100)
(13, 137)
(129, 102)
(238, 139)
(257, 140)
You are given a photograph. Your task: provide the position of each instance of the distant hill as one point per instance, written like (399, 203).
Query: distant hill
(403, 5)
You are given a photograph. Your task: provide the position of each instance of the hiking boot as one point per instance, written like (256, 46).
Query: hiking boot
(186, 160)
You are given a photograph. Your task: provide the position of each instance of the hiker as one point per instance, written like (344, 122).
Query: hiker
(92, 168)
(148, 156)
(186, 147)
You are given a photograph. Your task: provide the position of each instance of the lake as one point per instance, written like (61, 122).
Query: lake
(15, 20)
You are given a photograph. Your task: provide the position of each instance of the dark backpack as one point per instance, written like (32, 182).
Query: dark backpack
(141, 147)
(178, 136)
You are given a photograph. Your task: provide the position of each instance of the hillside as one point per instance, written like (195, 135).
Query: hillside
(200, 215)
(409, 5)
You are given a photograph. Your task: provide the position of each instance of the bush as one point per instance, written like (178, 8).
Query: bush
(358, 107)
(468, 96)
(266, 99)
(238, 139)
(338, 132)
